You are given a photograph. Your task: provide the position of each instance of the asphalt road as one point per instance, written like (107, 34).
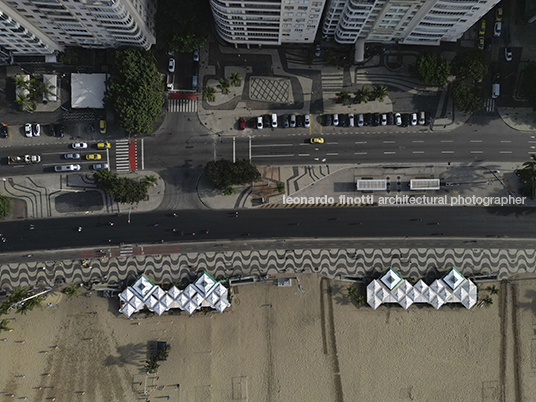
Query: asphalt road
(329, 223)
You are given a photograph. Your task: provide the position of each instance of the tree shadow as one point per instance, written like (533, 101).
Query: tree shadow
(127, 355)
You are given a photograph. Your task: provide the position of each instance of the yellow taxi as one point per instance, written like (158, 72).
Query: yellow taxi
(103, 145)
(102, 126)
(93, 157)
(317, 140)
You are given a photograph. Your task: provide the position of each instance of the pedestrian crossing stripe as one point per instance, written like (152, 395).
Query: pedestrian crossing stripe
(122, 160)
(337, 205)
(182, 105)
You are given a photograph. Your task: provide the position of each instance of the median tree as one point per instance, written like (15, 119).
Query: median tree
(121, 189)
(224, 174)
(135, 90)
(431, 69)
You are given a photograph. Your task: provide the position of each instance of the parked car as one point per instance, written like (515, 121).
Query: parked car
(299, 120)
(427, 119)
(495, 90)
(350, 119)
(171, 65)
(360, 120)
(384, 119)
(79, 145)
(36, 129)
(414, 119)
(241, 123)
(317, 51)
(327, 120)
(376, 119)
(422, 119)
(66, 168)
(196, 55)
(498, 14)
(390, 119)
(508, 54)
(93, 157)
(71, 156)
(335, 119)
(342, 120)
(259, 123)
(405, 119)
(292, 120)
(368, 119)
(497, 29)
(487, 44)
(274, 120)
(102, 126)
(3, 131)
(59, 130)
(482, 30)
(285, 121)
(267, 120)
(306, 121)
(98, 166)
(398, 119)
(28, 129)
(103, 145)
(481, 43)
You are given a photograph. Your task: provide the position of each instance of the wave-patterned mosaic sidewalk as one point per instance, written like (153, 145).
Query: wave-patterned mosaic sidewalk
(335, 263)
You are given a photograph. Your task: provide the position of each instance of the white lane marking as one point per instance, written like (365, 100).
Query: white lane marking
(447, 141)
(447, 152)
(505, 152)
(273, 145)
(331, 143)
(304, 154)
(477, 152)
(418, 152)
(416, 141)
(272, 156)
(389, 153)
(360, 153)
(506, 141)
(476, 140)
(360, 142)
(388, 142)
(332, 153)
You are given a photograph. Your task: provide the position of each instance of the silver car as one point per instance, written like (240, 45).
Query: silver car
(98, 166)
(350, 119)
(71, 156)
(306, 121)
(360, 121)
(292, 120)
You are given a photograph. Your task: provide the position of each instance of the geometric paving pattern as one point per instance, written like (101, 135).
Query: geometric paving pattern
(410, 263)
(270, 89)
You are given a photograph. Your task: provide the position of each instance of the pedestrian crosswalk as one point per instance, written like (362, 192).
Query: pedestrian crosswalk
(332, 81)
(182, 105)
(126, 250)
(490, 105)
(122, 159)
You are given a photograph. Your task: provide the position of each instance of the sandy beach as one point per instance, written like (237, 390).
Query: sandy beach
(275, 344)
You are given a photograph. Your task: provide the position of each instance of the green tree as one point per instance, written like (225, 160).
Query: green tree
(431, 69)
(29, 304)
(280, 187)
(152, 365)
(72, 291)
(4, 325)
(187, 41)
(150, 180)
(527, 174)
(5, 206)
(493, 290)
(121, 189)
(43, 89)
(135, 90)
(209, 93)
(342, 97)
(224, 86)
(362, 95)
(224, 173)
(468, 97)
(380, 92)
(527, 87)
(236, 79)
(472, 65)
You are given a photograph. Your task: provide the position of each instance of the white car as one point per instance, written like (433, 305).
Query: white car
(398, 119)
(36, 129)
(28, 129)
(66, 168)
(306, 121)
(79, 145)
(196, 55)
(292, 120)
(422, 118)
(384, 119)
(171, 65)
(100, 166)
(507, 54)
(360, 121)
(259, 123)
(350, 119)
(497, 29)
(274, 120)
(414, 119)
(335, 119)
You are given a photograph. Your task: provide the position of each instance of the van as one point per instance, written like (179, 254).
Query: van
(495, 90)
(66, 168)
(194, 82)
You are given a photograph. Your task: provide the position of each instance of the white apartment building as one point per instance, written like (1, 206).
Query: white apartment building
(413, 22)
(267, 22)
(43, 27)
